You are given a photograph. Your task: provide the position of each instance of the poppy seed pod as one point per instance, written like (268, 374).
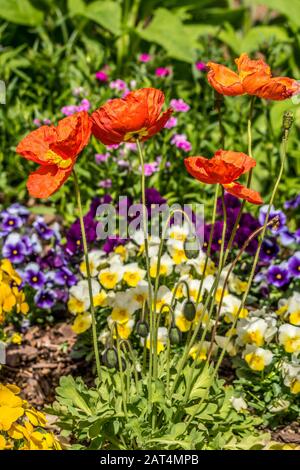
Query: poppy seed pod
(110, 358)
(142, 328)
(189, 310)
(175, 335)
(191, 247)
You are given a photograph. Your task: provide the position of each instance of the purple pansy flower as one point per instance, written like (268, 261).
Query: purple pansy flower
(278, 275)
(42, 229)
(34, 276)
(292, 203)
(64, 277)
(14, 249)
(10, 222)
(286, 237)
(45, 298)
(269, 249)
(294, 265)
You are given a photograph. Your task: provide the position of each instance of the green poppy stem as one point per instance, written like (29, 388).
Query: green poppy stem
(88, 272)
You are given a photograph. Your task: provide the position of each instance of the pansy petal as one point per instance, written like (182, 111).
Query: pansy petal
(46, 180)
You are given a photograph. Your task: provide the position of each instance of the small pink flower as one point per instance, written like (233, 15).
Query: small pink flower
(131, 146)
(179, 106)
(118, 85)
(150, 168)
(101, 76)
(105, 183)
(163, 71)
(145, 57)
(69, 110)
(84, 105)
(181, 142)
(172, 122)
(37, 122)
(123, 163)
(101, 157)
(201, 66)
(112, 147)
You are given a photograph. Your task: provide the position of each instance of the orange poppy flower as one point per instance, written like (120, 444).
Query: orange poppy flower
(224, 168)
(55, 149)
(137, 116)
(254, 77)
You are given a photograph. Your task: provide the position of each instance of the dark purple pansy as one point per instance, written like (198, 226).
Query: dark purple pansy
(74, 239)
(34, 276)
(278, 275)
(53, 259)
(14, 249)
(294, 265)
(45, 298)
(111, 243)
(64, 277)
(269, 249)
(10, 222)
(217, 236)
(42, 229)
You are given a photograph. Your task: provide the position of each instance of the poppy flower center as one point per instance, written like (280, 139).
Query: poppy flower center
(56, 159)
(134, 135)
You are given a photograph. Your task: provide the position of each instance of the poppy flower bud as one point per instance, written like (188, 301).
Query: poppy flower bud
(110, 358)
(189, 310)
(175, 335)
(287, 120)
(142, 328)
(191, 247)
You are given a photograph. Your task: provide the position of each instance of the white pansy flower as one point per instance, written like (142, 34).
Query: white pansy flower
(79, 299)
(257, 358)
(132, 274)
(166, 265)
(109, 277)
(95, 259)
(289, 337)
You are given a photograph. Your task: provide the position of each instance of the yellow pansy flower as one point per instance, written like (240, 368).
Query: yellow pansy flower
(82, 323)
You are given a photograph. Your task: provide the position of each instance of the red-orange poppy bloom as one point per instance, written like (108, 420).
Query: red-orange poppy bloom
(55, 149)
(254, 77)
(224, 168)
(137, 116)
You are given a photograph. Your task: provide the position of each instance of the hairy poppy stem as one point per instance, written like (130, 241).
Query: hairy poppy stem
(88, 272)
(145, 229)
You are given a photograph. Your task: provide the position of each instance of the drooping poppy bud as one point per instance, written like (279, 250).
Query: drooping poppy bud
(110, 358)
(191, 247)
(189, 310)
(175, 335)
(142, 328)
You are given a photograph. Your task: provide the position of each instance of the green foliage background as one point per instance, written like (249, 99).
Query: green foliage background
(50, 47)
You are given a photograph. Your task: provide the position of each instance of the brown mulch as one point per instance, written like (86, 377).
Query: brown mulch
(289, 434)
(38, 363)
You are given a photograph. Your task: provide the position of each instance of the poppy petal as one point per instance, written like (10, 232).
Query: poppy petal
(240, 191)
(223, 80)
(198, 167)
(138, 115)
(73, 133)
(36, 144)
(279, 88)
(46, 180)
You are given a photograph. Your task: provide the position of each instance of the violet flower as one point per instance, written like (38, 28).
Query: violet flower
(278, 275)
(179, 105)
(294, 265)
(34, 276)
